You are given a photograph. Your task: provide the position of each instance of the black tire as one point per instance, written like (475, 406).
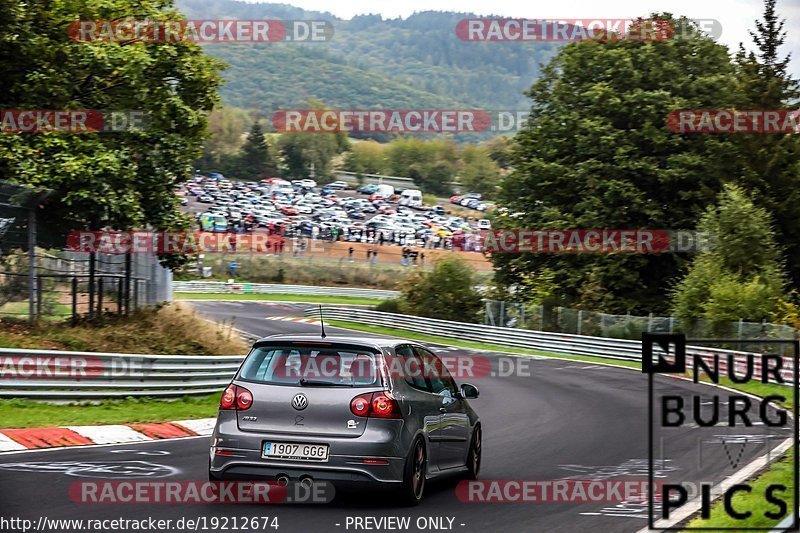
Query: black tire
(414, 474)
(474, 455)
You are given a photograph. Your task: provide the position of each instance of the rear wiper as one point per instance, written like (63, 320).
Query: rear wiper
(319, 383)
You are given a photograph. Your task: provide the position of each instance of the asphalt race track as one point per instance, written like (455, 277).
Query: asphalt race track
(565, 419)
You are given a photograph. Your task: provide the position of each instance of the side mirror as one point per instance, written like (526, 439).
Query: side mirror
(469, 391)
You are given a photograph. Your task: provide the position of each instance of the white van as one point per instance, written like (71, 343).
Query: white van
(385, 190)
(411, 198)
(484, 223)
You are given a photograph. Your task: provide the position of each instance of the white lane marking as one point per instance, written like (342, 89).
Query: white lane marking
(8, 444)
(111, 434)
(201, 426)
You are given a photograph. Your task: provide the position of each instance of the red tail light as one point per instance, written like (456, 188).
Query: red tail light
(228, 399)
(244, 399)
(236, 398)
(375, 405)
(360, 404)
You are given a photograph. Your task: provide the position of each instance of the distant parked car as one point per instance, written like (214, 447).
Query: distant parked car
(368, 189)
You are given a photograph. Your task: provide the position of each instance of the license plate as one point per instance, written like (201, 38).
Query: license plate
(299, 452)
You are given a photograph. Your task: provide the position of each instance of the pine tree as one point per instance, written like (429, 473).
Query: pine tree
(255, 160)
(771, 169)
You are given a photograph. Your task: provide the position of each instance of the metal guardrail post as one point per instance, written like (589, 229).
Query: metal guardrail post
(74, 300)
(92, 267)
(39, 291)
(119, 297)
(127, 294)
(100, 297)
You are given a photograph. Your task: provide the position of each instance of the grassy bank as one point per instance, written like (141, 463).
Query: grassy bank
(173, 329)
(20, 413)
(780, 473)
(310, 298)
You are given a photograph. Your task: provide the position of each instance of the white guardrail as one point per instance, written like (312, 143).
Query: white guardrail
(556, 343)
(48, 374)
(217, 287)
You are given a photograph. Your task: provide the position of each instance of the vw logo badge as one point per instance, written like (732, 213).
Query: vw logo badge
(299, 402)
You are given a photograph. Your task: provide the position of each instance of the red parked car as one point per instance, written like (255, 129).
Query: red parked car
(289, 211)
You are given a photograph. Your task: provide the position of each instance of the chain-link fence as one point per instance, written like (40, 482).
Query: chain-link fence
(44, 282)
(579, 322)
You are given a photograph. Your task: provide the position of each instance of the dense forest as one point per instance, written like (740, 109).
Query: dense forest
(416, 62)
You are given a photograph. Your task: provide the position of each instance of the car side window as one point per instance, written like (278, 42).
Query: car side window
(412, 367)
(438, 376)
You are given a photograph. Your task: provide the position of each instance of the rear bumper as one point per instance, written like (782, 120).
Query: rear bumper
(346, 458)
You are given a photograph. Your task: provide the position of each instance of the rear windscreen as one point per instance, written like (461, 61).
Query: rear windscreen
(312, 365)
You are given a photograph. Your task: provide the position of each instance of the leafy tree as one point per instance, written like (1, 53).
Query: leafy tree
(479, 173)
(366, 157)
(499, 150)
(432, 164)
(740, 276)
(255, 160)
(303, 151)
(447, 292)
(595, 153)
(120, 180)
(226, 127)
(772, 170)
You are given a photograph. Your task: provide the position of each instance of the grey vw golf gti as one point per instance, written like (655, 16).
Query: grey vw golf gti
(357, 412)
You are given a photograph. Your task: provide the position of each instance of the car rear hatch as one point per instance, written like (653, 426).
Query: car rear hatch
(305, 388)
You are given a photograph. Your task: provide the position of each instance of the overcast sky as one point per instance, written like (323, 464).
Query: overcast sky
(736, 16)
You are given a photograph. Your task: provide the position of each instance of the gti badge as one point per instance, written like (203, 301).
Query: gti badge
(299, 402)
(250, 418)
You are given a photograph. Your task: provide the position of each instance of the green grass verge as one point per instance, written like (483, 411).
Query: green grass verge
(18, 413)
(779, 473)
(310, 298)
(21, 309)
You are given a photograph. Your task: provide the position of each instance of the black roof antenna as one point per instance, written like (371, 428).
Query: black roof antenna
(322, 322)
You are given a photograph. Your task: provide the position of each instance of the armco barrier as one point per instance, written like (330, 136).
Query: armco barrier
(556, 343)
(210, 287)
(49, 374)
